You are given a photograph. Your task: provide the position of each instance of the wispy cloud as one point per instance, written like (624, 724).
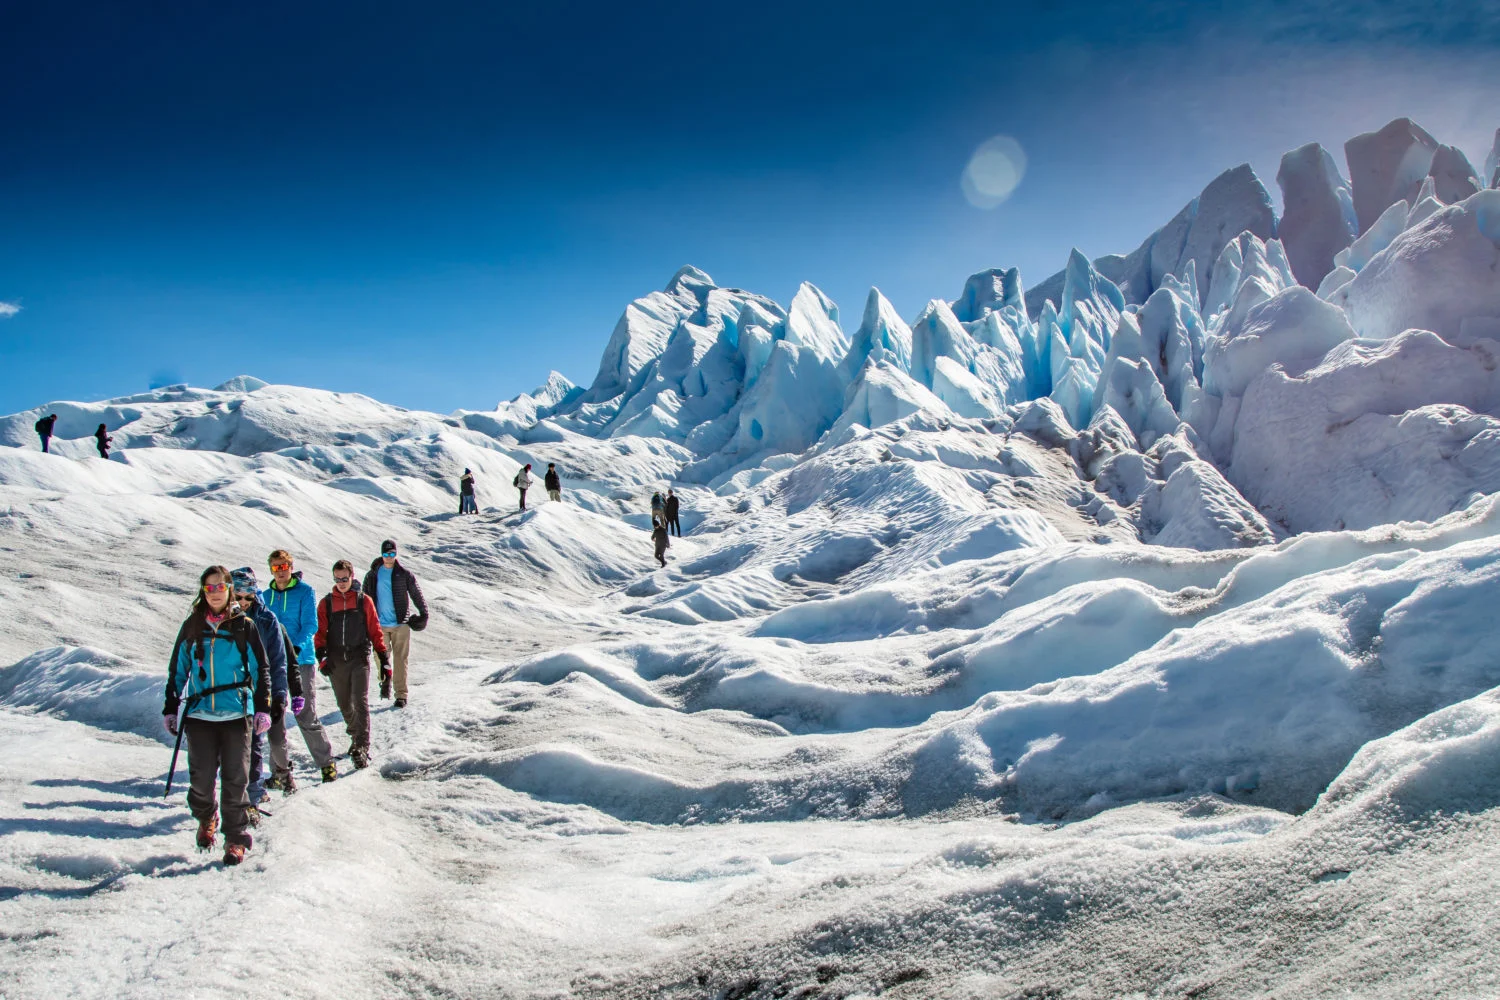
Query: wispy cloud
(8, 309)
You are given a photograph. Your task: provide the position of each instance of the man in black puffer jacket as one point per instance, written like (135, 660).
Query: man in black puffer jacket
(394, 590)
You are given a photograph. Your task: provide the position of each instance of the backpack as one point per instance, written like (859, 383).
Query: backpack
(41, 426)
(516, 482)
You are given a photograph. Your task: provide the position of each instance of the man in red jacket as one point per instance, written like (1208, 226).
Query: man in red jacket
(348, 626)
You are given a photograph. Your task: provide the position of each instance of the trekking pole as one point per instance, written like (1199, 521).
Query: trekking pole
(181, 719)
(171, 771)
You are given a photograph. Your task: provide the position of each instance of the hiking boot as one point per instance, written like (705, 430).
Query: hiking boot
(399, 703)
(361, 757)
(330, 772)
(208, 829)
(235, 853)
(283, 783)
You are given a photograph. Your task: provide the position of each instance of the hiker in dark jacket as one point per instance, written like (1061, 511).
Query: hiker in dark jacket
(295, 605)
(658, 509)
(659, 537)
(553, 482)
(44, 430)
(670, 509)
(286, 688)
(466, 502)
(394, 589)
(347, 628)
(220, 680)
(102, 440)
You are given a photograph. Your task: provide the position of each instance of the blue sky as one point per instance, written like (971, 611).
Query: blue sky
(437, 204)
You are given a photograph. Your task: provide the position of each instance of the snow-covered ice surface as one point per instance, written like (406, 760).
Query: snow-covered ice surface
(1135, 644)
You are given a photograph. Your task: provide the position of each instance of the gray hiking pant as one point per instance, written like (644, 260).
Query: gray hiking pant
(220, 750)
(350, 678)
(307, 721)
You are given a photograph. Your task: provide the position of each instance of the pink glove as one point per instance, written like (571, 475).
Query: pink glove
(298, 704)
(262, 722)
(169, 719)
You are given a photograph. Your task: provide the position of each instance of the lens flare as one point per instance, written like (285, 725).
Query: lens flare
(994, 172)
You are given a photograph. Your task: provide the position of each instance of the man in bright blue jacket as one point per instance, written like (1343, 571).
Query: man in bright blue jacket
(292, 600)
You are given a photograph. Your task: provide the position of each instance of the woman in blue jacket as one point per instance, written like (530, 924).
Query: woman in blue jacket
(219, 692)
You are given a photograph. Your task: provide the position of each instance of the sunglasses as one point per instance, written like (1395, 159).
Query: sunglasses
(342, 579)
(387, 555)
(215, 588)
(244, 597)
(277, 567)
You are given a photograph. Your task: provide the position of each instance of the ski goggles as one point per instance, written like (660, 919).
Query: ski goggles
(215, 588)
(277, 567)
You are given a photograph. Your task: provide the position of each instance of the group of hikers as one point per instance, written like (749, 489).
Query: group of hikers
(45, 425)
(664, 521)
(522, 482)
(244, 656)
(665, 511)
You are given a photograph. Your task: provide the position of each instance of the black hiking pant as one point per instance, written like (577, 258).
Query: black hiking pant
(220, 750)
(350, 677)
(46, 440)
(523, 497)
(674, 526)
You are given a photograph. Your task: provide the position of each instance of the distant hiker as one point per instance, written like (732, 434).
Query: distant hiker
(102, 440)
(659, 537)
(44, 430)
(522, 482)
(670, 508)
(295, 605)
(466, 503)
(553, 482)
(224, 701)
(395, 590)
(658, 509)
(285, 686)
(347, 627)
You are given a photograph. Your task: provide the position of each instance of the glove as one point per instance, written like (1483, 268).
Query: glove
(385, 662)
(262, 722)
(385, 682)
(417, 622)
(169, 719)
(298, 704)
(324, 667)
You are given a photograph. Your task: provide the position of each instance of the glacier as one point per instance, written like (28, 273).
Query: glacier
(1141, 614)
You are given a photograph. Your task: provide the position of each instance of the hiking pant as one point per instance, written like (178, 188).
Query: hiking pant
(47, 439)
(307, 720)
(523, 499)
(674, 525)
(661, 554)
(398, 639)
(255, 782)
(554, 494)
(222, 750)
(103, 451)
(467, 505)
(350, 678)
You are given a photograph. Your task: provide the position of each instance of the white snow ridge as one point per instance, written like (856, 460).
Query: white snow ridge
(1136, 639)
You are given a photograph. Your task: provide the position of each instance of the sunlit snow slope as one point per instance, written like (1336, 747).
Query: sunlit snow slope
(1133, 640)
